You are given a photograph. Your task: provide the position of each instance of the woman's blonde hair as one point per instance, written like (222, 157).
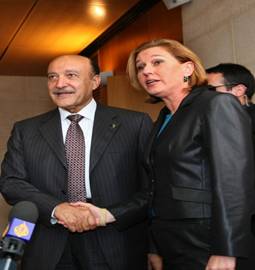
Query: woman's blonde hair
(178, 51)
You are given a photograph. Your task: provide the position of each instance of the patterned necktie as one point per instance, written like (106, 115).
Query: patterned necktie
(75, 155)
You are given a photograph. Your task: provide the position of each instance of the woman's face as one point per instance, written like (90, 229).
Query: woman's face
(158, 72)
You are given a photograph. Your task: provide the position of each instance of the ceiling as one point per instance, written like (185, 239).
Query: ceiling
(35, 31)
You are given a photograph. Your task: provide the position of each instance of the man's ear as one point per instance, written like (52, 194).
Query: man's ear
(96, 80)
(239, 90)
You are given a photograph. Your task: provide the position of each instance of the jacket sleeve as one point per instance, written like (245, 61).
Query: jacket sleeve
(15, 184)
(229, 144)
(135, 210)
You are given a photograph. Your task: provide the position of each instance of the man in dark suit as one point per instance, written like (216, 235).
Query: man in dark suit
(108, 230)
(238, 81)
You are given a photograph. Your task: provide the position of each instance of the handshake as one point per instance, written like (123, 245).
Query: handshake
(81, 216)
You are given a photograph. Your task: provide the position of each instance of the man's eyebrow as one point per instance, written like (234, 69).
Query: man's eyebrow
(51, 73)
(71, 70)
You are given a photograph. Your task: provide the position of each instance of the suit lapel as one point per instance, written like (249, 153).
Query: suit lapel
(52, 133)
(106, 125)
(153, 138)
(153, 135)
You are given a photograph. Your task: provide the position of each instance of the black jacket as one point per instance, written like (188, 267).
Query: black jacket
(251, 111)
(202, 167)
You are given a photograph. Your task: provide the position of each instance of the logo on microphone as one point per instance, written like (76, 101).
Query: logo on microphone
(21, 229)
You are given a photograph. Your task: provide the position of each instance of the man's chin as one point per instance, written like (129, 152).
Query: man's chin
(68, 107)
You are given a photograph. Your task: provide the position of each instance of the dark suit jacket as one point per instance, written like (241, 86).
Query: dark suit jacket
(34, 169)
(202, 166)
(251, 111)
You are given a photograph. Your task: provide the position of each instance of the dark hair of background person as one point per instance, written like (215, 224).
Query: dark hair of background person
(235, 74)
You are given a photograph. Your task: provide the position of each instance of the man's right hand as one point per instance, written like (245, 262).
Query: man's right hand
(73, 218)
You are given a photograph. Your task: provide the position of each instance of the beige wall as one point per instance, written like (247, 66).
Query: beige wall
(121, 94)
(20, 97)
(221, 31)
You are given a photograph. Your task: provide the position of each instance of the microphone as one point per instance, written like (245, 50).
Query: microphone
(22, 219)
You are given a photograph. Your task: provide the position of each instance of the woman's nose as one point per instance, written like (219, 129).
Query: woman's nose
(147, 69)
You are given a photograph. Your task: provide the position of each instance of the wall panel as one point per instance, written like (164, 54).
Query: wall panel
(158, 22)
(121, 94)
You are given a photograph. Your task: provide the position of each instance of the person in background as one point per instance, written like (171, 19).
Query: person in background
(236, 80)
(199, 160)
(92, 207)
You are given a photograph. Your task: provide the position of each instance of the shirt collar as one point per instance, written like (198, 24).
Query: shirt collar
(87, 112)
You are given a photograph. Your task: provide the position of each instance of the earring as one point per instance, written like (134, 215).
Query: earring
(186, 78)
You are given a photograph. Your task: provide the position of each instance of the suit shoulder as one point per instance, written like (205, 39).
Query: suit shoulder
(212, 98)
(37, 118)
(216, 104)
(124, 112)
(225, 99)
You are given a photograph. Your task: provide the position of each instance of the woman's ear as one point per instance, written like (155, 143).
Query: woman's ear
(188, 68)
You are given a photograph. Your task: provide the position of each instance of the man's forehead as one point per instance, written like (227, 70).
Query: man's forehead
(69, 63)
(217, 76)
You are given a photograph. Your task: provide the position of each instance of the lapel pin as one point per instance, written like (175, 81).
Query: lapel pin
(113, 125)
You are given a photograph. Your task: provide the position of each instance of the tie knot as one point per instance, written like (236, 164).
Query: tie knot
(75, 117)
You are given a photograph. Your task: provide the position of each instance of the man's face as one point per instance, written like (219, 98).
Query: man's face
(238, 90)
(217, 80)
(71, 82)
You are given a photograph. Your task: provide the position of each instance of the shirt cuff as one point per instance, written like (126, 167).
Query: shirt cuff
(53, 219)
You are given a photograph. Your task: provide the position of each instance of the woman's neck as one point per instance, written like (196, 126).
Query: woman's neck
(173, 101)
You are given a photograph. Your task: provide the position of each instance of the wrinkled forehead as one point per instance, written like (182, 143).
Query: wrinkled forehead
(69, 62)
(155, 51)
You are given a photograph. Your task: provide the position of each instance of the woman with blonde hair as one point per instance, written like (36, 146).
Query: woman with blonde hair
(199, 159)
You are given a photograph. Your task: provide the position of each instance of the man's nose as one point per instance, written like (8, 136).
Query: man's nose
(61, 82)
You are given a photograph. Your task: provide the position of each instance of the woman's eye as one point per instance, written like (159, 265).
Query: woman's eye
(140, 67)
(157, 62)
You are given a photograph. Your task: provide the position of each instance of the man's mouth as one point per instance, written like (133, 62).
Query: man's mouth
(62, 92)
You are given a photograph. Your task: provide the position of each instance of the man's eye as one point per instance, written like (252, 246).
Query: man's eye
(71, 75)
(52, 77)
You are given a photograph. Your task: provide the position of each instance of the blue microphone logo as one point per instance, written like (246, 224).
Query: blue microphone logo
(20, 229)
